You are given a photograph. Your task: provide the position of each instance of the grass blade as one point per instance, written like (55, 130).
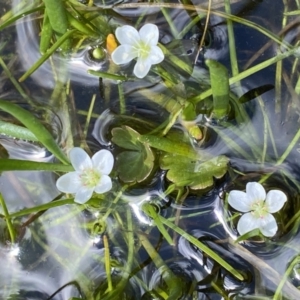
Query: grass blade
(36, 127)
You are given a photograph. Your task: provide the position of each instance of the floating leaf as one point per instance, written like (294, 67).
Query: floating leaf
(196, 174)
(134, 165)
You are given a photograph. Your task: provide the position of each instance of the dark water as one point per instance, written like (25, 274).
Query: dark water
(61, 254)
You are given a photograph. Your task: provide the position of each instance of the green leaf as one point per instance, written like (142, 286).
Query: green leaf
(26, 165)
(16, 131)
(196, 174)
(220, 88)
(126, 137)
(36, 127)
(137, 164)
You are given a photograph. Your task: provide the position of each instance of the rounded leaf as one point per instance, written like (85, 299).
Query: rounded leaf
(255, 191)
(142, 67)
(103, 161)
(123, 54)
(149, 34)
(104, 185)
(247, 223)
(239, 200)
(79, 159)
(127, 35)
(275, 200)
(69, 183)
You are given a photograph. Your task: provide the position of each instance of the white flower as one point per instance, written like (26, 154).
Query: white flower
(90, 175)
(140, 44)
(257, 207)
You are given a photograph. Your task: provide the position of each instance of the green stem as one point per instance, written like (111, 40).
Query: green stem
(15, 82)
(8, 221)
(42, 207)
(248, 72)
(20, 15)
(202, 247)
(277, 295)
(27, 165)
(107, 75)
(50, 51)
(284, 155)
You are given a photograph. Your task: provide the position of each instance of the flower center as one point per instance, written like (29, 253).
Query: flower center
(259, 209)
(90, 178)
(142, 49)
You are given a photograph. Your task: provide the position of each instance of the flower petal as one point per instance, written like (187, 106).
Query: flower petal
(142, 68)
(104, 185)
(239, 201)
(247, 223)
(103, 160)
(123, 54)
(69, 183)
(275, 200)
(156, 55)
(149, 34)
(127, 35)
(79, 159)
(83, 195)
(255, 191)
(268, 225)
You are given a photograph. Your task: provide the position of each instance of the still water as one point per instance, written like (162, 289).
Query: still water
(61, 254)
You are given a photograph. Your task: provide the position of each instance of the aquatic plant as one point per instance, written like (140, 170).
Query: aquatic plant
(90, 175)
(258, 208)
(113, 187)
(140, 44)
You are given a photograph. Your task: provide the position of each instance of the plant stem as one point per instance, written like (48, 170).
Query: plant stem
(8, 221)
(42, 207)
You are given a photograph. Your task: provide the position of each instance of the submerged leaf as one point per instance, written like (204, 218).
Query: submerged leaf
(3, 152)
(254, 93)
(193, 173)
(134, 165)
(36, 127)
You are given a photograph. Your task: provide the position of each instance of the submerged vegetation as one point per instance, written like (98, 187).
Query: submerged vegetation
(149, 150)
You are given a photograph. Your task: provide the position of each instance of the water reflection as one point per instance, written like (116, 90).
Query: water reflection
(62, 253)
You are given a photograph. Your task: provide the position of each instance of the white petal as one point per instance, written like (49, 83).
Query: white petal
(247, 223)
(275, 200)
(103, 160)
(127, 35)
(79, 159)
(123, 54)
(104, 185)
(268, 225)
(142, 68)
(156, 55)
(255, 191)
(239, 201)
(149, 34)
(83, 195)
(69, 183)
